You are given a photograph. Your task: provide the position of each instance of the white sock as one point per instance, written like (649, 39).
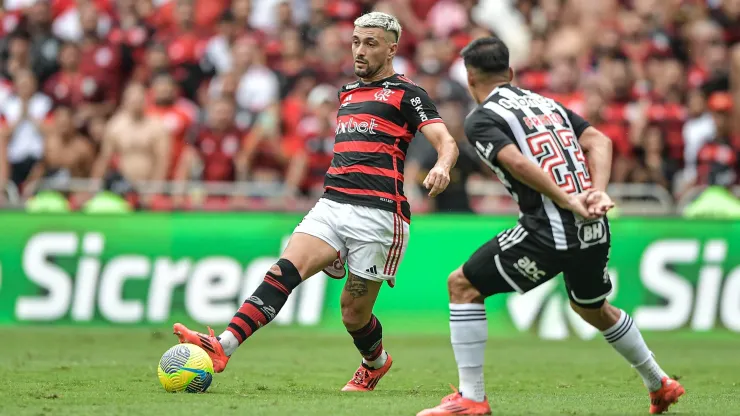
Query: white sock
(469, 333)
(378, 362)
(625, 337)
(228, 342)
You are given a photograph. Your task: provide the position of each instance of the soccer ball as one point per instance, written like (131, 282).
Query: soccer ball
(185, 367)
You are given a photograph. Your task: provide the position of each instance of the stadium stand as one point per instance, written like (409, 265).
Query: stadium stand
(245, 93)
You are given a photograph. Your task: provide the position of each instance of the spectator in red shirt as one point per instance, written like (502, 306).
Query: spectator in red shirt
(205, 13)
(595, 113)
(186, 45)
(100, 58)
(178, 115)
(132, 35)
(216, 152)
(156, 62)
(293, 107)
(312, 148)
(84, 92)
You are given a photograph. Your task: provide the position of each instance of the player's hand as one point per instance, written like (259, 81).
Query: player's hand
(577, 205)
(437, 180)
(598, 203)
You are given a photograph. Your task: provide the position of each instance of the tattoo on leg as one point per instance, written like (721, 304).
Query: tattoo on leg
(357, 287)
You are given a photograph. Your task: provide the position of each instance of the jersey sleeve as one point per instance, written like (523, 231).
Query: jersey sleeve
(579, 123)
(486, 136)
(418, 109)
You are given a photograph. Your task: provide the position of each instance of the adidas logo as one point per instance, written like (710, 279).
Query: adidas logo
(372, 270)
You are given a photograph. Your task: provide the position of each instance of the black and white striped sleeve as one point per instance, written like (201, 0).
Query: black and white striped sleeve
(485, 135)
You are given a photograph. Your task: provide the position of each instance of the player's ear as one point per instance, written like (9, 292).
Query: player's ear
(471, 79)
(511, 74)
(393, 50)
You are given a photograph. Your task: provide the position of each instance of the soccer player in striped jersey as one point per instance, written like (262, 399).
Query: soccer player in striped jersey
(363, 218)
(557, 167)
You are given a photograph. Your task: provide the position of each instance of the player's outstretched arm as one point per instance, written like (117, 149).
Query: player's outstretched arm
(447, 152)
(533, 176)
(597, 149)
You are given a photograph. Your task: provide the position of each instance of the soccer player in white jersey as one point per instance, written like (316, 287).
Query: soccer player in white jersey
(557, 167)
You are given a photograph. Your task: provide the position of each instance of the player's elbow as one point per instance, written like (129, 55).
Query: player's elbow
(594, 139)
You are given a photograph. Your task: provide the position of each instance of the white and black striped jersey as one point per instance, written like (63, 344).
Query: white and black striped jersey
(547, 134)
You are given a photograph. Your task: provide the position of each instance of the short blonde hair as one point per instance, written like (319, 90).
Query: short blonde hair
(380, 20)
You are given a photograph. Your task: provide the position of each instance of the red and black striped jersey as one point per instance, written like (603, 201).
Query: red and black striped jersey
(375, 124)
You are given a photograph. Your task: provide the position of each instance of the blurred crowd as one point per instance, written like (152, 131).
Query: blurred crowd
(121, 92)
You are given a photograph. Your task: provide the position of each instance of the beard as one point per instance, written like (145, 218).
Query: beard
(164, 101)
(368, 71)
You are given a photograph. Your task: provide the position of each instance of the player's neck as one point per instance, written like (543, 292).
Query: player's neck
(482, 92)
(383, 74)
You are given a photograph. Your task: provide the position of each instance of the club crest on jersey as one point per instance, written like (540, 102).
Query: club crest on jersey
(383, 94)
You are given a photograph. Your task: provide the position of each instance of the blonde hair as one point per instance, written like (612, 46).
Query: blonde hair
(380, 20)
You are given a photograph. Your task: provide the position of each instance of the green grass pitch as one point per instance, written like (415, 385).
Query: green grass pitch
(65, 371)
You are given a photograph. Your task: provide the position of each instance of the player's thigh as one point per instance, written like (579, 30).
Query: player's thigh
(315, 243)
(376, 244)
(586, 276)
(513, 261)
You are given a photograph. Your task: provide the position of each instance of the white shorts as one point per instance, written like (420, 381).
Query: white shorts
(371, 241)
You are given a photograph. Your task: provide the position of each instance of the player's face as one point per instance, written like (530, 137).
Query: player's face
(372, 50)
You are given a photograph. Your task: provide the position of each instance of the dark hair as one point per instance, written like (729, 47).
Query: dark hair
(227, 17)
(489, 55)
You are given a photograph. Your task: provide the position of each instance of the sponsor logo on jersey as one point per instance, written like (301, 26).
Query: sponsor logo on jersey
(416, 103)
(391, 84)
(351, 126)
(352, 86)
(383, 94)
(531, 101)
(529, 269)
(486, 150)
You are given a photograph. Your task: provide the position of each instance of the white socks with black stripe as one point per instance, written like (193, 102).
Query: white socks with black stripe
(469, 333)
(625, 337)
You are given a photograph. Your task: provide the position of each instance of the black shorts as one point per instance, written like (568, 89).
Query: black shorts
(516, 261)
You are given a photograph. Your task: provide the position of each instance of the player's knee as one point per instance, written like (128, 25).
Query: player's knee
(460, 288)
(284, 272)
(354, 315)
(600, 315)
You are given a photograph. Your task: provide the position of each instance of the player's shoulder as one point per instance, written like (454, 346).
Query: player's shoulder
(480, 116)
(402, 82)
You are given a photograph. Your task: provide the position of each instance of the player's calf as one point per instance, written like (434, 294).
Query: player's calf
(468, 333)
(357, 301)
(263, 306)
(623, 335)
